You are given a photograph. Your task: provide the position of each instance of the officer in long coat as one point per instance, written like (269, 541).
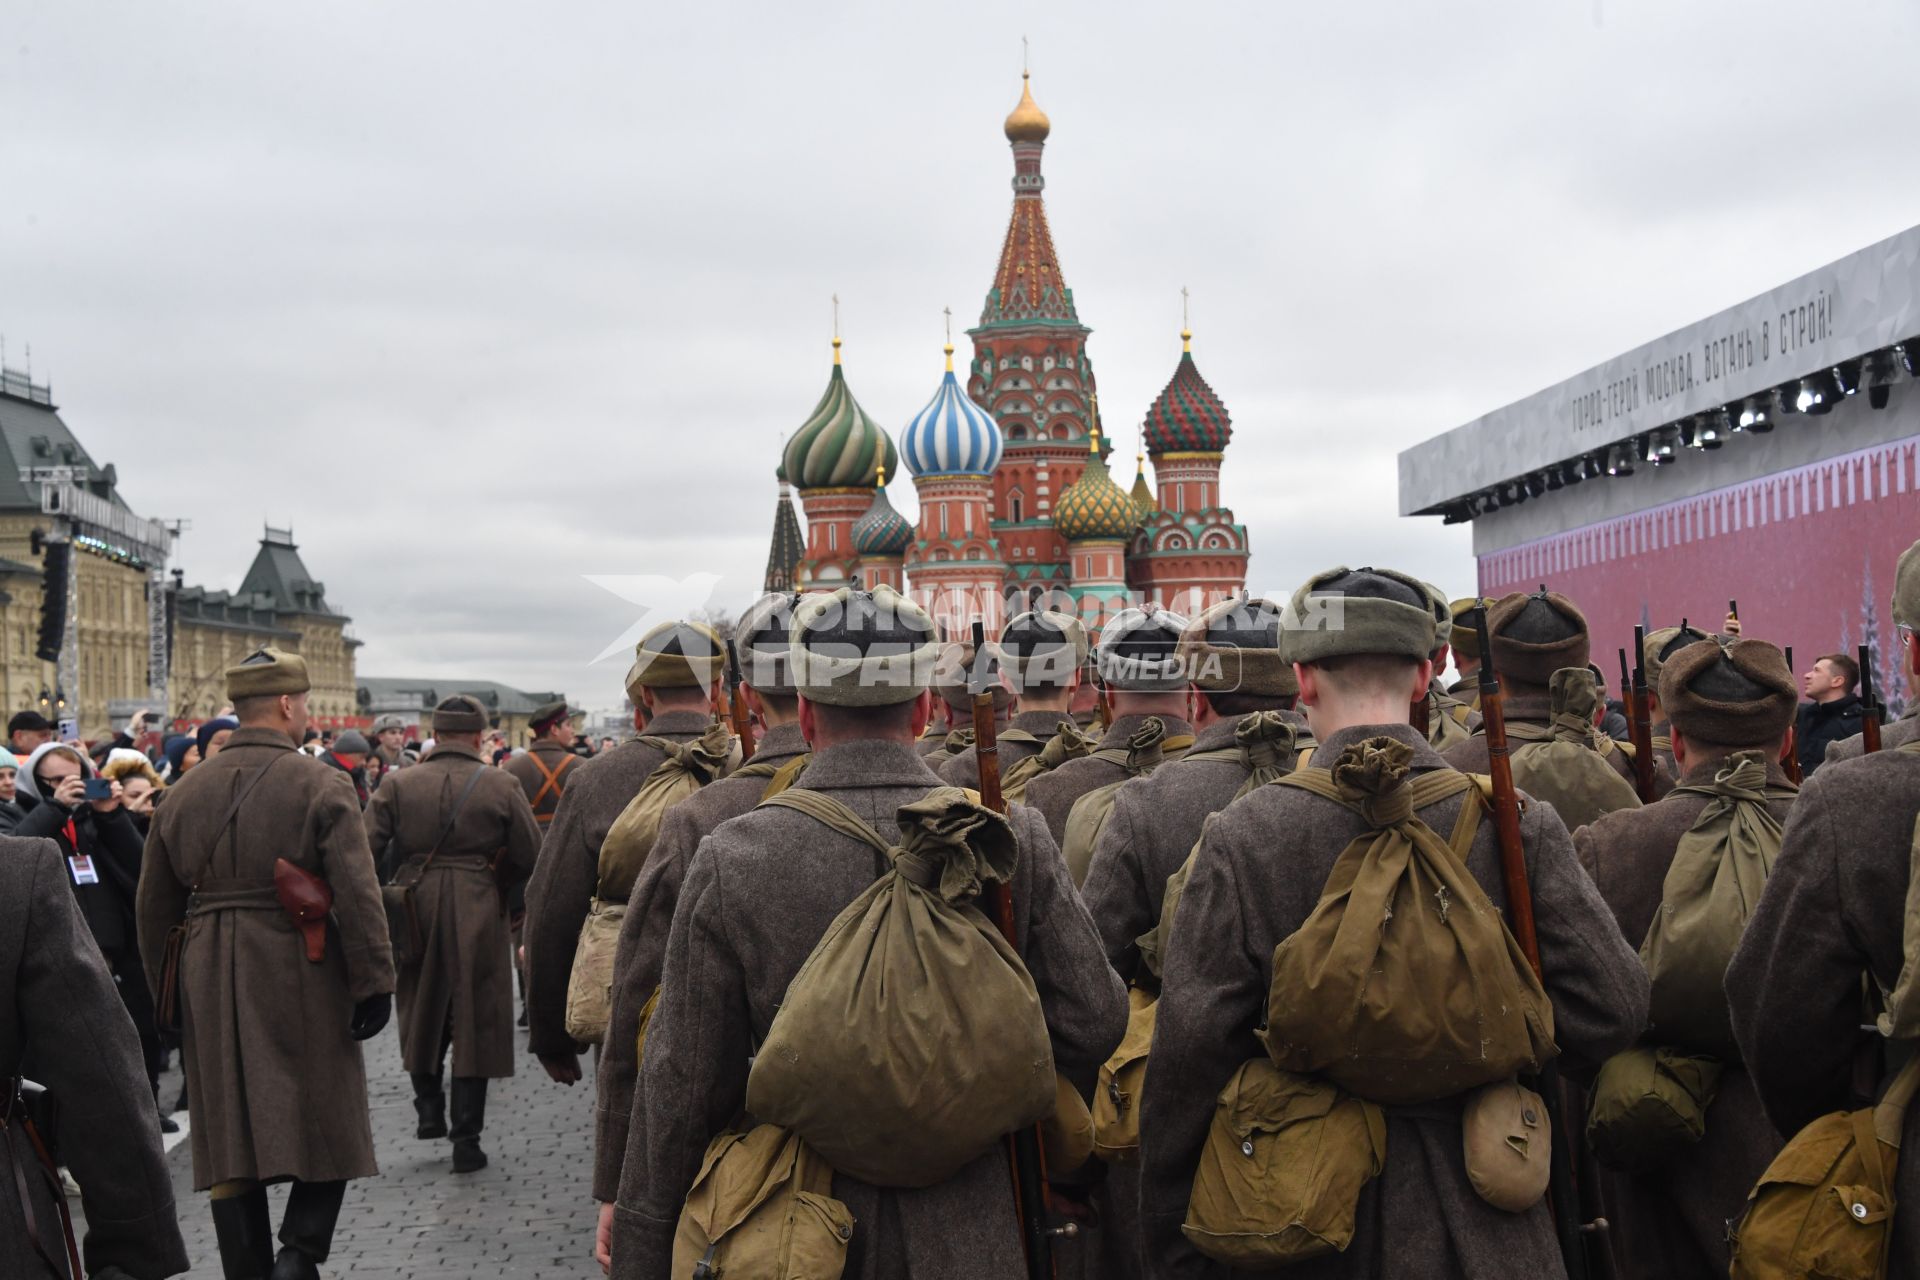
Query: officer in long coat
(673, 682)
(1831, 916)
(1043, 653)
(62, 1007)
(1729, 715)
(268, 1037)
(461, 832)
(1260, 871)
(1142, 681)
(779, 754)
(759, 895)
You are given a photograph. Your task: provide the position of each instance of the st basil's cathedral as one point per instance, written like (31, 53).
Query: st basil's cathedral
(1011, 471)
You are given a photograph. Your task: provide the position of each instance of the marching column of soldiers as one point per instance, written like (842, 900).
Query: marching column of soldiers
(1299, 961)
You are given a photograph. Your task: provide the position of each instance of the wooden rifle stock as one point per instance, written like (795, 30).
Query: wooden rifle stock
(737, 705)
(1790, 760)
(1640, 720)
(1029, 1164)
(1869, 706)
(1561, 1191)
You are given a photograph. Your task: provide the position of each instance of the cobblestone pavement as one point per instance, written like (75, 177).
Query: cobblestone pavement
(527, 1215)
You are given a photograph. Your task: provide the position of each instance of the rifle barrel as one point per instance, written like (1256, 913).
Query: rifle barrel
(1640, 722)
(737, 709)
(1869, 704)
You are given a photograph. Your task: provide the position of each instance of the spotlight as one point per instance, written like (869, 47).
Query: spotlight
(1846, 376)
(1456, 513)
(1661, 446)
(1554, 480)
(1536, 484)
(1755, 415)
(1714, 429)
(1690, 433)
(1620, 463)
(1877, 395)
(1817, 394)
(1879, 378)
(1910, 356)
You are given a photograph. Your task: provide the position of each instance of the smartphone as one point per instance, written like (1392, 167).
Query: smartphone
(97, 789)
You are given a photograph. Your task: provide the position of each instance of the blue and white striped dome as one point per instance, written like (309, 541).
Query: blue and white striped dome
(952, 436)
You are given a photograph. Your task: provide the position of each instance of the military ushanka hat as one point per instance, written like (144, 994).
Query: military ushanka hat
(1666, 642)
(1906, 587)
(1460, 633)
(387, 722)
(763, 640)
(1731, 693)
(1044, 648)
(1535, 635)
(1139, 651)
(955, 670)
(267, 673)
(855, 648)
(459, 713)
(676, 655)
(1235, 647)
(1346, 612)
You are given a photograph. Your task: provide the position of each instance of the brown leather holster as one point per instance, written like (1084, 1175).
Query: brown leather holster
(309, 900)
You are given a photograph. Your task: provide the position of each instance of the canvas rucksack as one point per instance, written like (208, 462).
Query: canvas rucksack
(762, 1205)
(1067, 743)
(1405, 984)
(1564, 765)
(1282, 1168)
(1826, 1204)
(1147, 749)
(687, 767)
(906, 1101)
(1711, 887)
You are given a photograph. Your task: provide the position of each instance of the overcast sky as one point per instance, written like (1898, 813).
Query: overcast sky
(481, 298)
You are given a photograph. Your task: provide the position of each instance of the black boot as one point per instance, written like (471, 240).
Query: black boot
(306, 1229)
(430, 1104)
(245, 1233)
(469, 1118)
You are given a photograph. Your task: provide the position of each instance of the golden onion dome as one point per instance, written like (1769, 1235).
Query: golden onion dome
(1094, 508)
(1028, 123)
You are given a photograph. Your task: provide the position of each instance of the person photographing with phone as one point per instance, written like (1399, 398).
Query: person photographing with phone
(84, 814)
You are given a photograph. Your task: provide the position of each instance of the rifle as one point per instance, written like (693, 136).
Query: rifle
(1790, 761)
(1513, 870)
(1640, 720)
(1029, 1165)
(1869, 708)
(737, 705)
(1626, 693)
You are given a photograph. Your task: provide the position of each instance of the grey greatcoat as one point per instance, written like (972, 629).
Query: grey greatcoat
(460, 988)
(1901, 731)
(759, 896)
(963, 770)
(278, 1084)
(1261, 869)
(561, 891)
(1155, 821)
(643, 943)
(1054, 792)
(1674, 1222)
(1832, 910)
(57, 1001)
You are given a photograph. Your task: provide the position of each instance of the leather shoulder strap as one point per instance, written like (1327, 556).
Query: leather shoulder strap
(831, 813)
(233, 812)
(453, 816)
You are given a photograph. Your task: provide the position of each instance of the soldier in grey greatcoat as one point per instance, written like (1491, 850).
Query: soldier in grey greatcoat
(758, 897)
(462, 832)
(62, 1009)
(1260, 871)
(1728, 711)
(1142, 681)
(1044, 653)
(762, 632)
(1532, 637)
(673, 682)
(268, 1038)
(1832, 915)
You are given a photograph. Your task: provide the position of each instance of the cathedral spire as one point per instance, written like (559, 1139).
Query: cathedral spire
(1027, 286)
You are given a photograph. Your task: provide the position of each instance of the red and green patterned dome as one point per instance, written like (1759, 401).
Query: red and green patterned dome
(1188, 417)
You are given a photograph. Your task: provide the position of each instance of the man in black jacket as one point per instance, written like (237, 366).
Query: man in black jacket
(1832, 710)
(101, 848)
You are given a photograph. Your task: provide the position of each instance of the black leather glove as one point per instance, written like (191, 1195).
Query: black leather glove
(370, 1016)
